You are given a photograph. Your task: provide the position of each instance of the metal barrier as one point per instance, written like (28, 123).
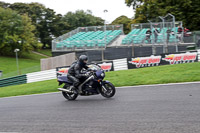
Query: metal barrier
(22, 79)
(41, 76)
(120, 64)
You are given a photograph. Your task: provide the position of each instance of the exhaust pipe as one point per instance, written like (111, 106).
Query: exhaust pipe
(65, 90)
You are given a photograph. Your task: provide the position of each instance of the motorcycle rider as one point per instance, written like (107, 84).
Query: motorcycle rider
(75, 72)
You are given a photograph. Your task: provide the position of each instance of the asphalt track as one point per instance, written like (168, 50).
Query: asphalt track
(143, 109)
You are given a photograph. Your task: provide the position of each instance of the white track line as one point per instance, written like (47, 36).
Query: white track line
(30, 95)
(183, 83)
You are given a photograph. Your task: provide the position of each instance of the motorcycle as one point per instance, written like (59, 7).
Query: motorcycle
(92, 85)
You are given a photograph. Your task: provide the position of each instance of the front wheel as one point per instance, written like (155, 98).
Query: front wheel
(107, 90)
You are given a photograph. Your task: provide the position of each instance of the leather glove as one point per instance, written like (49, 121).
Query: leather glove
(87, 74)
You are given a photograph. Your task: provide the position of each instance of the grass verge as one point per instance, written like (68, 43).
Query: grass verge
(46, 52)
(30, 62)
(150, 75)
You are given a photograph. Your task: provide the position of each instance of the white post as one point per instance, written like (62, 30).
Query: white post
(105, 11)
(17, 50)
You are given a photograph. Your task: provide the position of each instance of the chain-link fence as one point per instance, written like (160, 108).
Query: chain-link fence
(84, 38)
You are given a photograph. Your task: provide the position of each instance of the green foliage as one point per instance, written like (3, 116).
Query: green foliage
(45, 20)
(81, 19)
(49, 24)
(125, 21)
(150, 75)
(184, 10)
(134, 3)
(16, 31)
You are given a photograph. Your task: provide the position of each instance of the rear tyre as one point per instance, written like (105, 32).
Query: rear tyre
(70, 96)
(108, 90)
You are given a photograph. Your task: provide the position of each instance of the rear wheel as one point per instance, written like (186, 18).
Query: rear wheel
(69, 96)
(108, 90)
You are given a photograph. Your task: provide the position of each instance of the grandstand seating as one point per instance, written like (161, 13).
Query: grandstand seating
(89, 39)
(93, 39)
(137, 36)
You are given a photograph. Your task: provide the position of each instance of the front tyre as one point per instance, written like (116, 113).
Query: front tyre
(107, 90)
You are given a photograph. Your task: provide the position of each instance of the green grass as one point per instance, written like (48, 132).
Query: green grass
(30, 62)
(156, 75)
(150, 75)
(32, 56)
(31, 88)
(45, 52)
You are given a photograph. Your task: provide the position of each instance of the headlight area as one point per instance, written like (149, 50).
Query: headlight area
(103, 75)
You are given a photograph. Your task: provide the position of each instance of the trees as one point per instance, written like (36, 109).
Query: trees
(49, 24)
(184, 10)
(16, 31)
(44, 19)
(125, 21)
(81, 19)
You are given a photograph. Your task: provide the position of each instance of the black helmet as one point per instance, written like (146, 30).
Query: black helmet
(83, 58)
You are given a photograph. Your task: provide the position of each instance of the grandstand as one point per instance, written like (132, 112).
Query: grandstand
(96, 37)
(81, 38)
(109, 42)
(89, 39)
(137, 36)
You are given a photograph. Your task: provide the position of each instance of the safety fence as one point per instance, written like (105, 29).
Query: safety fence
(198, 55)
(22, 79)
(120, 64)
(41, 76)
(114, 65)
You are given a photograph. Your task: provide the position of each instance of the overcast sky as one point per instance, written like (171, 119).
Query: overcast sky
(115, 8)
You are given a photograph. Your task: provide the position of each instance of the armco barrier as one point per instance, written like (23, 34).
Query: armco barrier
(22, 79)
(120, 64)
(41, 76)
(198, 52)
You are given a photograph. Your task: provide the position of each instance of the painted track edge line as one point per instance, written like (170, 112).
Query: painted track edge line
(181, 83)
(30, 95)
